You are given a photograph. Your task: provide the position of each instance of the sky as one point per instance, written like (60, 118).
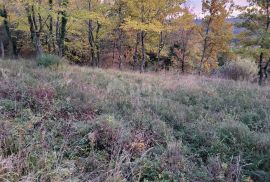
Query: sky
(196, 5)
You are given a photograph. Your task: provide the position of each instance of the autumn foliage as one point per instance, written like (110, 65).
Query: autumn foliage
(128, 34)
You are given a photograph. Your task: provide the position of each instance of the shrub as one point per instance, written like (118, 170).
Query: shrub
(48, 61)
(237, 70)
(235, 134)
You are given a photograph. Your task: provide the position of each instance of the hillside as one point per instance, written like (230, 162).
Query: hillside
(82, 124)
(233, 20)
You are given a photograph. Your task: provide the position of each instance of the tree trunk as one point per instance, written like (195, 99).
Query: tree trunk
(120, 51)
(120, 36)
(57, 33)
(97, 43)
(12, 41)
(183, 64)
(142, 40)
(34, 30)
(143, 51)
(261, 75)
(160, 47)
(205, 45)
(61, 28)
(2, 50)
(51, 45)
(136, 54)
(62, 37)
(203, 56)
(38, 46)
(184, 56)
(91, 42)
(120, 60)
(91, 39)
(265, 68)
(114, 45)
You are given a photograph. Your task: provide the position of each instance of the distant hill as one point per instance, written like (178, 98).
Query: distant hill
(236, 29)
(234, 21)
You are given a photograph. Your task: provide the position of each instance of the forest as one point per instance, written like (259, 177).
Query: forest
(134, 91)
(138, 34)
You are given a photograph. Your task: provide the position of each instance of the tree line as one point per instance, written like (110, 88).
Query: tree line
(136, 34)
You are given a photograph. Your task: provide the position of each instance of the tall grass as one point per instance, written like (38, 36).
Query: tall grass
(82, 124)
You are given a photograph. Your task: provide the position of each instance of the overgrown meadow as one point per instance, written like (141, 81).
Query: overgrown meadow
(70, 123)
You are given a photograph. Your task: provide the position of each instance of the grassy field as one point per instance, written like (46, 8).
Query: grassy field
(80, 124)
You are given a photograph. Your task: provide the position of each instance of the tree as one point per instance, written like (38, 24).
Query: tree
(61, 28)
(35, 25)
(255, 19)
(38, 18)
(6, 24)
(150, 17)
(85, 31)
(215, 31)
(93, 14)
(182, 44)
(120, 11)
(143, 20)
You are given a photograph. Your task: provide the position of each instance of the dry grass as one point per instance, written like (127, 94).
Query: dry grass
(80, 124)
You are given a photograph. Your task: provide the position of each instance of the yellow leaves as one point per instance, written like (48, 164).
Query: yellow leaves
(154, 26)
(20, 21)
(23, 27)
(89, 15)
(210, 65)
(185, 21)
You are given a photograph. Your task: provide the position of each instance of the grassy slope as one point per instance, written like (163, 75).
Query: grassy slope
(81, 124)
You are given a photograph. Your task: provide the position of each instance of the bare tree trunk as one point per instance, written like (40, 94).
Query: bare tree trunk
(57, 32)
(91, 42)
(114, 45)
(205, 45)
(184, 56)
(63, 34)
(183, 63)
(142, 40)
(136, 54)
(12, 41)
(120, 35)
(265, 69)
(261, 69)
(97, 44)
(38, 45)
(160, 47)
(51, 45)
(61, 28)
(143, 51)
(34, 30)
(120, 60)
(120, 51)
(91, 39)
(203, 56)
(2, 50)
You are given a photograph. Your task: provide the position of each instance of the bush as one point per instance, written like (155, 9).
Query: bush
(237, 70)
(48, 61)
